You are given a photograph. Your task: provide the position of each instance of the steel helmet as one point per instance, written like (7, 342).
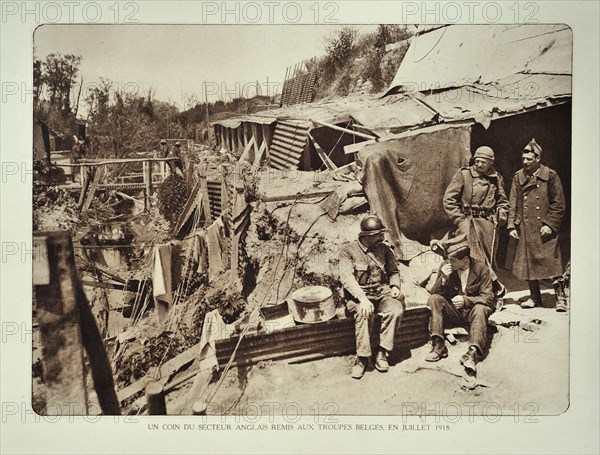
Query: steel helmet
(177, 144)
(371, 225)
(163, 141)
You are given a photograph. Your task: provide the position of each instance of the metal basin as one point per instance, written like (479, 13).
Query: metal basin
(312, 304)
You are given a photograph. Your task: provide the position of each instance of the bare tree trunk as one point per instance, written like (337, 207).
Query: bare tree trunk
(78, 96)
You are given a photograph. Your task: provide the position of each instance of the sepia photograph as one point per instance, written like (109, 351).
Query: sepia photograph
(391, 213)
(299, 227)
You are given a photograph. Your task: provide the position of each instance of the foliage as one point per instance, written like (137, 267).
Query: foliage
(339, 49)
(385, 34)
(53, 89)
(171, 197)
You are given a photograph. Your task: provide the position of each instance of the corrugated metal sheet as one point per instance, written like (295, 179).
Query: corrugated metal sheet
(214, 197)
(289, 141)
(460, 55)
(305, 341)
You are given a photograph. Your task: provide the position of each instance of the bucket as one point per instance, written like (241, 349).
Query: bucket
(312, 304)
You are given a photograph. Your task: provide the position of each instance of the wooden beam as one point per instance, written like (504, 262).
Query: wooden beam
(354, 148)
(259, 155)
(117, 161)
(344, 130)
(92, 191)
(204, 196)
(67, 326)
(293, 197)
(162, 374)
(324, 158)
(58, 318)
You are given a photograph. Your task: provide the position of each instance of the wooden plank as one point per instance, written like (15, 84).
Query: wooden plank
(85, 183)
(93, 163)
(161, 374)
(324, 158)
(92, 191)
(354, 148)
(204, 196)
(344, 130)
(66, 326)
(293, 197)
(60, 334)
(259, 155)
(148, 181)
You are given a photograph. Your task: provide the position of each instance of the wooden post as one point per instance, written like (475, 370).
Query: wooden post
(84, 186)
(255, 137)
(204, 190)
(67, 325)
(148, 182)
(326, 160)
(155, 399)
(267, 138)
(93, 187)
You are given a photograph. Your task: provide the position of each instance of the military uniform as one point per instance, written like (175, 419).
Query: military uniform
(371, 273)
(476, 203)
(535, 201)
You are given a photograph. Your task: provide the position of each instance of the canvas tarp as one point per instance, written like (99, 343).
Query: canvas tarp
(405, 177)
(460, 55)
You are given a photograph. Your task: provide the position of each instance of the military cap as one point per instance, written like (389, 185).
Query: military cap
(484, 152)
(456, 244)
(533, 147)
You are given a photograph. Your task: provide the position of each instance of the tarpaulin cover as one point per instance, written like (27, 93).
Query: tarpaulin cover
(460, 55)
(405, 177)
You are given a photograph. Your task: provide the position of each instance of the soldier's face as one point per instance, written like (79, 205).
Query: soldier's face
(483, 165)
(530, 161)
(459, 264)
(372, 240)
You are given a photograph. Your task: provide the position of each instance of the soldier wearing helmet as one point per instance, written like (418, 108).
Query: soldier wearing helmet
(476, 203)
(371, 280)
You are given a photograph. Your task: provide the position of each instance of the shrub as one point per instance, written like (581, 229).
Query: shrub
(171, 197)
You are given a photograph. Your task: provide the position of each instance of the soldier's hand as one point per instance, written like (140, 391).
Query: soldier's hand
(514, 234)
(458, 301)
(365, 307)
(545, 231)
(446, 270)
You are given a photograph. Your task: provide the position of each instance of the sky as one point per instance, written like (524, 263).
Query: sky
(175, 60)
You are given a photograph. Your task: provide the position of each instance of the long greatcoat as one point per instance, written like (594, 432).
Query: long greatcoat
(535, 201)
(486, 192)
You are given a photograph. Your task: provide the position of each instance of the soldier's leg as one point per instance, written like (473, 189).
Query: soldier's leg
(478, 322)
(558, 284)
(443, 313)
(391, 311)
(362, 329)
(535, 295)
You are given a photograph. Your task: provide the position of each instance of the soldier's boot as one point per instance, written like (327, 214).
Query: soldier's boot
(536, 296)
(438, 350)
(499, 293)
(561, 297)
(360, 365)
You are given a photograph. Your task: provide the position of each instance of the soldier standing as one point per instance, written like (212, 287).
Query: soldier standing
(476, 203)
(177, 154)
(537, 207)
